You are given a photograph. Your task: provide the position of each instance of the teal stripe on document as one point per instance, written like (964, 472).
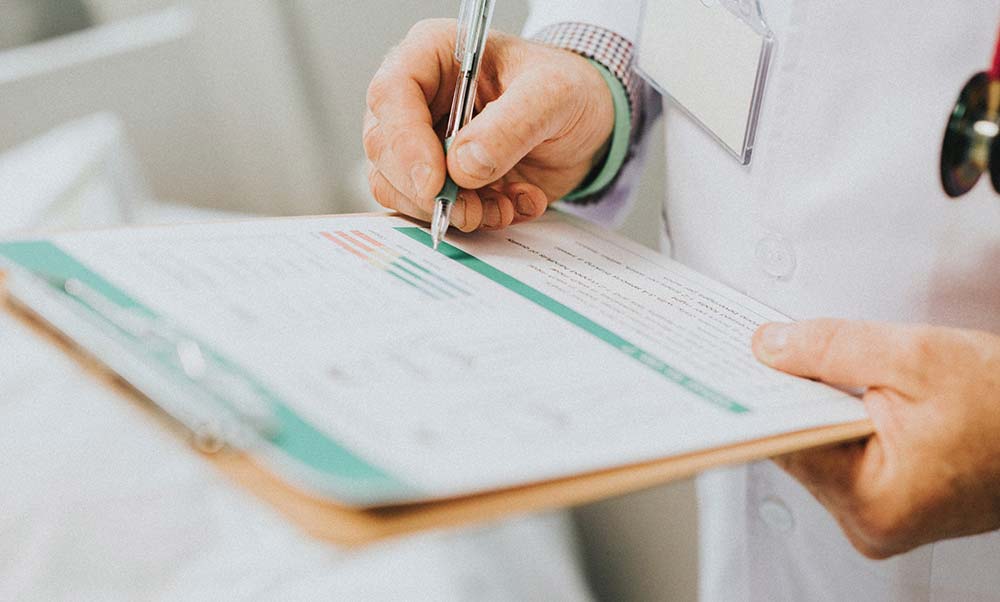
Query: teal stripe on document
(350, 476)
(579, 320)
(45, 259)
(425, 281)
(402, 278)
(433, 275)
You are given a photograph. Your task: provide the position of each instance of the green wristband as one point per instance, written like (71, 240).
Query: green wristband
(619, 139)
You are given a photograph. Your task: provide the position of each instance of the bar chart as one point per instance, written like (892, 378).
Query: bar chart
(410, 271)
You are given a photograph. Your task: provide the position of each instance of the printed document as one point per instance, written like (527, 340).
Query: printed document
(544, 350)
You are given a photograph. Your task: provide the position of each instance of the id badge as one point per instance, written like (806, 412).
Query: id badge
(711, 58)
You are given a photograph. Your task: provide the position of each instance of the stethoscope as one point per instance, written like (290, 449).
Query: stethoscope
(972, 139)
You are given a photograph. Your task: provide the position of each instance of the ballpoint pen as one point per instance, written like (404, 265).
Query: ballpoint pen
(473, 26)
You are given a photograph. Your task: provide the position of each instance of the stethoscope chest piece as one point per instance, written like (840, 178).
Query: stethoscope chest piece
(970, 145)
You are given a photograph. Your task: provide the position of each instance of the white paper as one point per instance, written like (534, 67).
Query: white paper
(451, 381)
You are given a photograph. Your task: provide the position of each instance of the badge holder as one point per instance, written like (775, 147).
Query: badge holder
(711, 58)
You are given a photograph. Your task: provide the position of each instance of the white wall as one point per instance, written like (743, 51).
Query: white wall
(208, 90)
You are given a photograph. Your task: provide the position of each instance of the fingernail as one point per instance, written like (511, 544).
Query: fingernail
(473, 160)
(491, 214)
(458, 213)
(524, 206)
(419, 174)
(774, 339)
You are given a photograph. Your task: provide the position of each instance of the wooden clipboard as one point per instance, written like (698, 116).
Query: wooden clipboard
(353, 527)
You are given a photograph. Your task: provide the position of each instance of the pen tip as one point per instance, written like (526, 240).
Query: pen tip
(439, 222)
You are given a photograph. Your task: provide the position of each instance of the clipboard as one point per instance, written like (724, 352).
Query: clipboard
(327, 520)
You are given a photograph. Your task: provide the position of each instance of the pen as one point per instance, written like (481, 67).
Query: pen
(473, 26)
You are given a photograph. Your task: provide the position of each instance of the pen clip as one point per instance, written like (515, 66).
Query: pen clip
(466, 8)
(474, 17)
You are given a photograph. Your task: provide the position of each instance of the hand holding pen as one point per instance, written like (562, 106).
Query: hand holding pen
(544, 115)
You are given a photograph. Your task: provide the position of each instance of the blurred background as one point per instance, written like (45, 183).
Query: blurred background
(254, 106)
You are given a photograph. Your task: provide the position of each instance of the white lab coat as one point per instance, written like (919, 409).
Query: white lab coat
(841, 213)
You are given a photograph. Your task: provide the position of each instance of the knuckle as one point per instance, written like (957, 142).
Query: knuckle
(920, 352)
(830, 336)
(423, 36)
(473, 207)
(376, 185)
(506, 212)
(923, 349)
(397, 146)
(398, 137)
(378, 90)
(371, 139)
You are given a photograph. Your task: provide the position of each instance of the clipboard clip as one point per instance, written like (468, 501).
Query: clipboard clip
(241, 412)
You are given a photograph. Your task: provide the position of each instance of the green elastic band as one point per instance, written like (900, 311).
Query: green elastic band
(619, 138)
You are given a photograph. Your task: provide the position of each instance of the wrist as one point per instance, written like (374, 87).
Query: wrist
(610, 158)
(611, 54)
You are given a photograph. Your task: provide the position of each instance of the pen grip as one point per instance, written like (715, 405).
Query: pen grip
(449, 192)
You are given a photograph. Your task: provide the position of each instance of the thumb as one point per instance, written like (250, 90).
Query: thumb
(527, 113)
(843, 352)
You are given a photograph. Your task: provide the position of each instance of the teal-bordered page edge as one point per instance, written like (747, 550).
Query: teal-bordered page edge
(297, 452)
(329, 467)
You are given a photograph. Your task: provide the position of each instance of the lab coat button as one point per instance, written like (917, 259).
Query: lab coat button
(776, 256)
(776, 515)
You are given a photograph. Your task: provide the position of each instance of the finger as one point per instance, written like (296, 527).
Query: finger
(421, 183)
(530, 201)
(408, 152)
(829, 473)
(417, 77)
(467, 214)
(849, 479)
(413, 160)
(531, 110)
(387, 196)
(834, 476)
(498, 209)
(371, 137)
(846, 352)
(421, 175)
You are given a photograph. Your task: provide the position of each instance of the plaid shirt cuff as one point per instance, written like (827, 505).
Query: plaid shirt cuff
(604, 46)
